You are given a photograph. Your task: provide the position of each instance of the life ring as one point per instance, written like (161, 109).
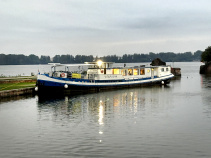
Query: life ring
(101, 71)
(62, 75)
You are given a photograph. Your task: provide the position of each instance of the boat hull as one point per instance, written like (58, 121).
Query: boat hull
(55, 85)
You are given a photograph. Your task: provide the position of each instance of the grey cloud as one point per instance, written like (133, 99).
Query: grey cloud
(103, 26)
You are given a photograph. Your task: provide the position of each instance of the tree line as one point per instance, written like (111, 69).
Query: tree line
(20, 59)
(206, 55)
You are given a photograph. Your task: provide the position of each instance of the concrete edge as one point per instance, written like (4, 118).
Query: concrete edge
(16, 92)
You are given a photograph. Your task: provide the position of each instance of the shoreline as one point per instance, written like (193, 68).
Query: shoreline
(16, 86)
(16, 92)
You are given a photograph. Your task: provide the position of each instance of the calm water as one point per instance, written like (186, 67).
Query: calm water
(153, 122)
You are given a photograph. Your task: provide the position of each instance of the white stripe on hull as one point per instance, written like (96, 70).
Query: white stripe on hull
(130, 82)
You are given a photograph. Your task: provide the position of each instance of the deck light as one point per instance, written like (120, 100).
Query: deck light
(99, 62)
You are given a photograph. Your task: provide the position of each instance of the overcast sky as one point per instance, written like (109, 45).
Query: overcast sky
(104, 27)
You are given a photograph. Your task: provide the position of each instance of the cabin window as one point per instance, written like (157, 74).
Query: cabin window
(135, 72)
(142, 72)
(116, 71)
(167, 69)
(162, 70)
(123, 72)
(130, 71)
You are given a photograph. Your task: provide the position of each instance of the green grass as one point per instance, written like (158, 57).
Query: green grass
(10, 86)
(17, 78)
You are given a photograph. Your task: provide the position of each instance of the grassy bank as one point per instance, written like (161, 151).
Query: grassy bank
(10, 86)
(11, 78)
(10, 83)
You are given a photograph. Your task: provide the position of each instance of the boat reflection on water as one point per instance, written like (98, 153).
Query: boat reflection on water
(104, 106)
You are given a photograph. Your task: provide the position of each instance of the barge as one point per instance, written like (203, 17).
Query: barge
(100, 75)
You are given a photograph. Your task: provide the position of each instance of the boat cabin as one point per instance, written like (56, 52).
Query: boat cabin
(105, 71)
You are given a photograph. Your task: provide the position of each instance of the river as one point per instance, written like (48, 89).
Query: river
(155, 122)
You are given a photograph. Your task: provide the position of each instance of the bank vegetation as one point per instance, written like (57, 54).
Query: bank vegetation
(20, 59)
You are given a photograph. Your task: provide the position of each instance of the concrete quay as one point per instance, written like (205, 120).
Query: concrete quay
(16, 92)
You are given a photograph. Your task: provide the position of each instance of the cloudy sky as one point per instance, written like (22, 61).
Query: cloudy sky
(104, 27)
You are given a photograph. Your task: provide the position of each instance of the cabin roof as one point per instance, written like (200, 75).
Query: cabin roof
(58, 64)
(97, 63)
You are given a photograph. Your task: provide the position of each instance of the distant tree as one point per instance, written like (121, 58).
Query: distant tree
(188, 56)
(66, 59)
(169, 57)
(206, 55)
(136, 58)
(3, 59)
(88, 58)
(197, 55)
(33, 59)
(78, 59)
(20, 59)
(45, 59)
(110, 58)
(152, 56)
(124, 58)
(56, 59)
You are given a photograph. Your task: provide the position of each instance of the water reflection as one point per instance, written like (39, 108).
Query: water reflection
(206, 98)
(206, 81)
(101, 112)
(101, 106)
(105, 116)
(16, 98)
(171, 121)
